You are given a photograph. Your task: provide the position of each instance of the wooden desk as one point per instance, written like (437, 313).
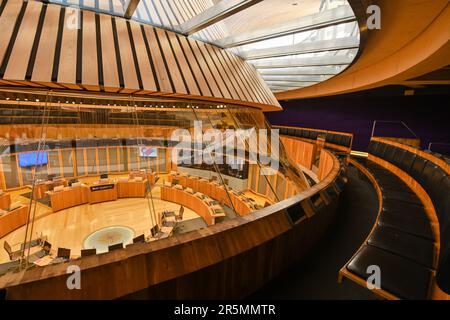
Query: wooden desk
(199, 206)
(41, 188)
(5, 200)
(69, 197)
(132, 189)
(102, 192)
(149, 176)
(217, 192)
(13, 220)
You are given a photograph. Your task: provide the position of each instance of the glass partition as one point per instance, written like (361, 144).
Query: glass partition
(81, 167)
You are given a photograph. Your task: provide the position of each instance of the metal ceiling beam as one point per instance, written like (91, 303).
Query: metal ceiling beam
(289, 84)
(316, 21)
(301, 71)
(303, 48)
(214, 14)
(130, 7)
(302, 62)
(296, 78)
(274, 88)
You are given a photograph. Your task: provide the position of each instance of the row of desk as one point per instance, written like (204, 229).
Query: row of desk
(133, 187)
(198, 203)
(42, 188)
(242, 204)
(97, 193)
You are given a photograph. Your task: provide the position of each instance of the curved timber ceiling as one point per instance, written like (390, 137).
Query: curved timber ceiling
(292, 43)
(39, 47)
(414, 40)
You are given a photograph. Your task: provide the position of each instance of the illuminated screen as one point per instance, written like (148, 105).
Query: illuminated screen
(149, 152)
(33, 159)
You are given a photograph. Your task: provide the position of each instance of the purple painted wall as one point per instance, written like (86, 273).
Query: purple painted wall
(426, 115)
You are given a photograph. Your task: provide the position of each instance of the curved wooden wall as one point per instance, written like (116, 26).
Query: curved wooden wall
(39, 48)
(221, 260)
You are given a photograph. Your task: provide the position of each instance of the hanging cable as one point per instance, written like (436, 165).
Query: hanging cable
(33, 203)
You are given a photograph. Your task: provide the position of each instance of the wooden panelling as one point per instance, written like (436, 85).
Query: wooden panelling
(89, 57)
(206, 71)
(301, 152)
(196, 68)
(67, 71)
(212, 66)
(7, 22)
(20, 55)
(183, 64)
(130, 75)
(325, 165)
(43, 66)
(13, 220)
(173, 68)
(109, 61)
(145, 66)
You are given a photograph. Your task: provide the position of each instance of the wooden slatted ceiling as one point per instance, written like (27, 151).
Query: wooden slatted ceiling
(38, 48)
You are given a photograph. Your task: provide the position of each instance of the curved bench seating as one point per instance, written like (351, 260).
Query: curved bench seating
(401, 242)
(410, 240)
(433, 175)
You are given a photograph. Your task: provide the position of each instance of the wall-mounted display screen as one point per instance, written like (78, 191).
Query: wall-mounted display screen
(148, 152)
(33, 159)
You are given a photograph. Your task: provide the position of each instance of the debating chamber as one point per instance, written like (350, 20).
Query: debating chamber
(224, 150)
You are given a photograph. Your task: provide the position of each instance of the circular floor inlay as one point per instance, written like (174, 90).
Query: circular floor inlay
(103, 238)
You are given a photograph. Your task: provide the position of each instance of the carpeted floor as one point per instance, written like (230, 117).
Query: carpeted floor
(315, 277)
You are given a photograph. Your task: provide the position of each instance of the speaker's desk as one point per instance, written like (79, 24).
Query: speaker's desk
(242, 204)
(102, 192)
(132, 188)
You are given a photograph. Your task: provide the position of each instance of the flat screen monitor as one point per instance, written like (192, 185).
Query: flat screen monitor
(148, 152)
(104, 176)
(33, 159)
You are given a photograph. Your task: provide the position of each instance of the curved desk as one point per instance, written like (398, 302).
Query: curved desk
(102, 192)
(132, 188)
(13, 220)
(191, 201)
(69, 197)
(5, 200)
(214, 190)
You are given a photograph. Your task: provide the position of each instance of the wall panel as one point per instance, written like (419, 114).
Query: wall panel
(90, 66)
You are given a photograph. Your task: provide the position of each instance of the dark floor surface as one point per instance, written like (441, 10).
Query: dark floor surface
(315, 277)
